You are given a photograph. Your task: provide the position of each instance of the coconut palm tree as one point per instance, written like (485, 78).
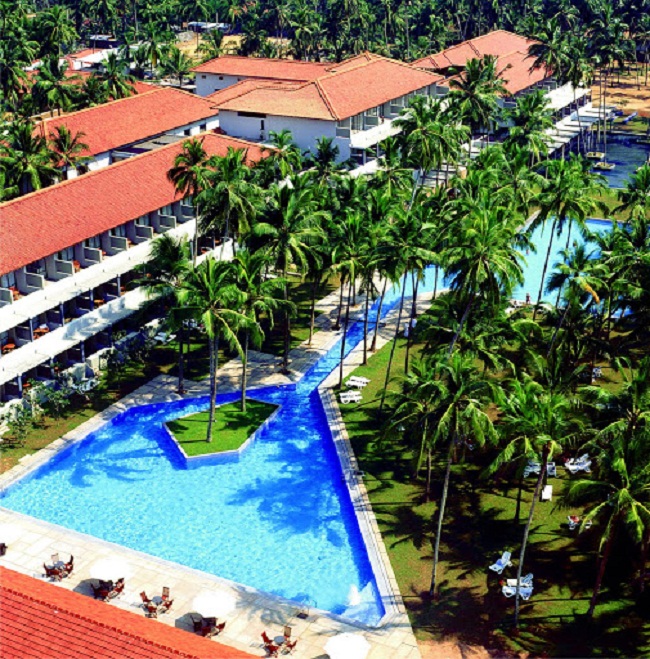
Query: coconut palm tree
(116, 81)
(25, 158)
(190, 177)
(289, 230)
(230, 201)
(474, 96)
(531, 117)
(52, 89)
(161, 276)
(570, 194)
(67, 149)
(209, 293)
(635, 196)
(260, 297)
(534, 423)
(482, 260)
(286, 155)
(460, 417)
(55, 30)
(176, 63)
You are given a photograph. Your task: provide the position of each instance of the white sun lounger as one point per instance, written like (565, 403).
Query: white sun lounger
(551, 469)
(502, 563)
(547, 493)
(526, 581)
(532, 468)
(511, 591)
(357, 383)
(350, 397)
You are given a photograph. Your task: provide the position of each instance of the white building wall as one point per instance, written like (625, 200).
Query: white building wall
(208, 83)
(257, 129)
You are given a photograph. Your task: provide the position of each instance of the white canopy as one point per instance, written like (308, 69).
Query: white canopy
(215, 604)
(347, 646)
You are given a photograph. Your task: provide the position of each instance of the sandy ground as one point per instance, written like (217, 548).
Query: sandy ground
(451, 649)
(629, 95)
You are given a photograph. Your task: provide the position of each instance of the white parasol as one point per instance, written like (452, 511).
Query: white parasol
(110, 568)
(214, 604)
(347, 646)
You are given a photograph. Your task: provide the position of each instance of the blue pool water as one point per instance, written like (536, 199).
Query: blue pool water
(535, 260)
(627, 153)
(279, 520)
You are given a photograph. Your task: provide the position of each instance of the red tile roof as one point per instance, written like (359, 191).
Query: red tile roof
(49, 220)
(346, 89)
(118, 123)
(517, 72)
(497, 43)
(39, 620)
(262, 67)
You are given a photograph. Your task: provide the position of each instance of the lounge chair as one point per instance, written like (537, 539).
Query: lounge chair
(150, 608)
(547, 493)
(165, 601)
(347, 397)
(526, 581)
(511, 591)
(357, 382)
(270, 646)
(502, 563)
(532, 468)
(551, 469)
(117, 590)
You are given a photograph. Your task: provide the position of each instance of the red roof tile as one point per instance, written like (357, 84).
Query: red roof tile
(261, 67)
(39, 620)
(49, 220)
(497, 43)
(118, 123)
(346, 89)
(517, 72)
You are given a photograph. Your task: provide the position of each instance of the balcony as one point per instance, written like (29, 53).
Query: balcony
(33, 282)
(364, 139)
(6, 296)
(142, 233)
(166, 222)
(92, 255)
(62, 269)
(116, 244)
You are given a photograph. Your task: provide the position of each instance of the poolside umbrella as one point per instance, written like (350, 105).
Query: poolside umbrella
(110, 568)
(213, 604)
(347, 646)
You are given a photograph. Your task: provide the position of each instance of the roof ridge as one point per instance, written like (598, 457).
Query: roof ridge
(114, 166)
(102, 105)
(325, 97)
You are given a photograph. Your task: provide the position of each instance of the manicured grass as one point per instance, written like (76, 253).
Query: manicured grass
(479, 525)
(231, 427)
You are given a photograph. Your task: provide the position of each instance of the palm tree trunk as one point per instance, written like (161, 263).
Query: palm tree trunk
(601, 573)
(520, 489)
(548, 256)
(460, 327)
(433, 588)
(373, 345)
(214, 367)
(244, 363)
(312, 313)
(427, 487)
(287, 329)
(524, 542)
(392, 349)
(410, 325)
(365, 323)
(181, 343)
(337, 324)
(345, 331)
(195, 240)
(557, 329)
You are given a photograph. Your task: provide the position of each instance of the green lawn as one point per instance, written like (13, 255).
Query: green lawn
(231, 428)
(479, 526)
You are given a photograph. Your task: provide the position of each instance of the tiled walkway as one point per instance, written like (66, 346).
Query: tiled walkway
(255, 611)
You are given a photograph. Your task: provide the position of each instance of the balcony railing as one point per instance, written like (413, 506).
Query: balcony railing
(116, 244)
(62, 269)
(143, 233)
(33, 282)
(92, 255)
(166, 222)
(342, 131)
(6, 297)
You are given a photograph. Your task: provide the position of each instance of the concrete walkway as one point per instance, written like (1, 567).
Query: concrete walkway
(255, 611)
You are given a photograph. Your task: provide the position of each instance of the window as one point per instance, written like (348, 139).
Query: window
(202, 77)
(187, 132)
(357, 122)
(8, 280)
(371, 112)
(220, 77)
(258, 115)
(37, 267)
(166, 210)
(203, 127)
(120, 231)
(66, 254)
(143, 221)
(94, 242)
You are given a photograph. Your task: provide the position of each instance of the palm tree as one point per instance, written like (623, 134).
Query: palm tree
(55, 29)
(482, 260)
(474, 97)
(289, 231)
(25, 158)
(259, 298)
(635, 197)
(161, 276)
(176, 63)
(531, 118)
(230, 201)
(66, 149)
(210, 294)
(93, 92)
(190, 177)
(534, 422)
(286, 155)
(460, 417)
(211, 45)
(569, 195)
(116, 82)
(52, 89)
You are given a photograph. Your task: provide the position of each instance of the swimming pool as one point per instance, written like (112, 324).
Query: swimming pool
(280, 519)
(628, 154)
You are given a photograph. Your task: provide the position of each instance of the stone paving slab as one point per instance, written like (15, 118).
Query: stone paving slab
(255, 611)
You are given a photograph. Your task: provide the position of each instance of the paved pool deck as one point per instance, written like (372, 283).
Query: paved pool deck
(255, 611)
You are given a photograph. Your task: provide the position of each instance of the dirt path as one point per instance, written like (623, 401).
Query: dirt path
(628, 94)
(451, 649)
